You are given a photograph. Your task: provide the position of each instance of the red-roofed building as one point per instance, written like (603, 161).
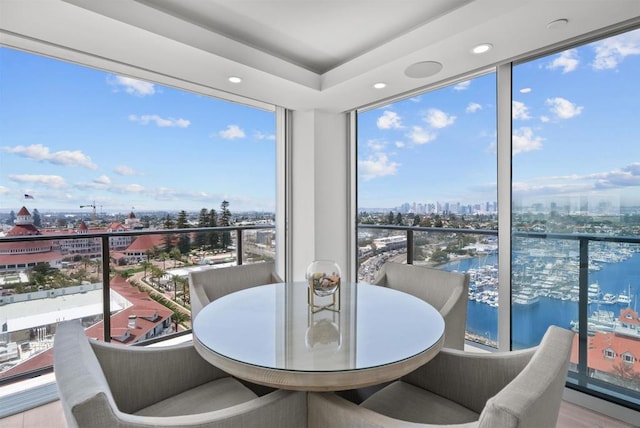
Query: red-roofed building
(132, 222)
(16, 256)
(143, 319)
(136, 252)
(614, 356)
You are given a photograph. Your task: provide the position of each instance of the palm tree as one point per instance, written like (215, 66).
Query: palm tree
(184, 282)
(178, 318)
(151, 252)
(163, 256)
(146, 265)
(156, 273)
(176, 255)
(85, 261)
(175, 279)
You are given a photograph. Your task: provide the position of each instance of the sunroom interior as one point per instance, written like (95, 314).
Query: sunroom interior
(317, 65)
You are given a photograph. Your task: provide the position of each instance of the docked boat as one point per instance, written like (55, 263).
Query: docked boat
(624, 299)
(599, 321)
(525, 297)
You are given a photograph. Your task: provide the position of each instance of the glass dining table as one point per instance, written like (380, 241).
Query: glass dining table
(269, 336)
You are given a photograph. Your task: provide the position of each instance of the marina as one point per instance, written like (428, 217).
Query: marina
(546, 291)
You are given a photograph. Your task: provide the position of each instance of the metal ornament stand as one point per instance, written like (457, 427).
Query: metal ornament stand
(333, 306)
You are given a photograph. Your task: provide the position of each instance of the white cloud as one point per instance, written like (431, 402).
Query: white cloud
(523, 140)
(567, 61)
(133, 188)
(125, 170)
(132, 86)
(419, 135)
(399, 144)
(103, 179)
(50, 181)
(42, 153)
(389, 120)
(628, 176)
(4, 190)
(525, 90)
(544, 119)
(462, 86)
(519, 111)
(612, 51)
(377, 165)
(562, 108)
(473, 107)
(439, 119)
(619, 178)
(232, 132)
(376, 145)
(159, 121)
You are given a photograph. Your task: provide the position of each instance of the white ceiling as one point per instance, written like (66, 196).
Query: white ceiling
(300, 54)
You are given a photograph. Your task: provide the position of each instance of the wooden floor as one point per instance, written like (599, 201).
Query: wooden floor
(50, 416)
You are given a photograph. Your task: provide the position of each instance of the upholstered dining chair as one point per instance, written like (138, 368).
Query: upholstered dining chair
(107, 385)
(208, 285)
(446, 291)
(520, 389)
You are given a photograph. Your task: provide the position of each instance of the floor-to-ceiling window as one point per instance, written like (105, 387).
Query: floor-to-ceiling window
(576, 171)
(85, 151)
(574, 196)
(430, 161)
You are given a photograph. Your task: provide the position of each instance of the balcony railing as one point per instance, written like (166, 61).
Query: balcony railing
(98, 246)
(574, 255)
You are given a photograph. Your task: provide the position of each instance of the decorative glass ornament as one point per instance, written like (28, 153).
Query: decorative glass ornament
(324, 280)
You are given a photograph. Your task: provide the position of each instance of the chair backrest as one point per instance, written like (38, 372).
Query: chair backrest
(208, 285)
(84, 391)
(446, 291)
(533, 398)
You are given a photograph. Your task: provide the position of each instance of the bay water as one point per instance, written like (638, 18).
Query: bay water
(530, 322)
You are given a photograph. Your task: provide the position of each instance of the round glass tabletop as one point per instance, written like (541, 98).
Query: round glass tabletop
(271, 327)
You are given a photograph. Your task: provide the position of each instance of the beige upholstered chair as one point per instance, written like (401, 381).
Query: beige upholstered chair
(446, 291)
(463, 389)
(108, 385)
(208, 285)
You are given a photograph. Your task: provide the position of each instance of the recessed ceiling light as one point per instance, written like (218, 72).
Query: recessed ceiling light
(235, 79)
(482, 48)
(379, 85)
(423, 69)
(557, 24)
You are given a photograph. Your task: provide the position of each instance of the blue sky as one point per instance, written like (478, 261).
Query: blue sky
(576, 135)
(71, 135)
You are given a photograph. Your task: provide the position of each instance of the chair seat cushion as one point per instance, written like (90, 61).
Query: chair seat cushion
(403, 401)
(209, 397)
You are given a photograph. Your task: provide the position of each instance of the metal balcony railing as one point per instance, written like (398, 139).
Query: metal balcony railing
(105, 257)
(580, 379)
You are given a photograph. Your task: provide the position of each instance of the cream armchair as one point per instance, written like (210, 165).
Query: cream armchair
(448, 292)
(108, 385)
(208, 285)
(463, 389)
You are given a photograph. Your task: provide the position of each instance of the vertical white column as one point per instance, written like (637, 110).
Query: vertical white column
(319, 189)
